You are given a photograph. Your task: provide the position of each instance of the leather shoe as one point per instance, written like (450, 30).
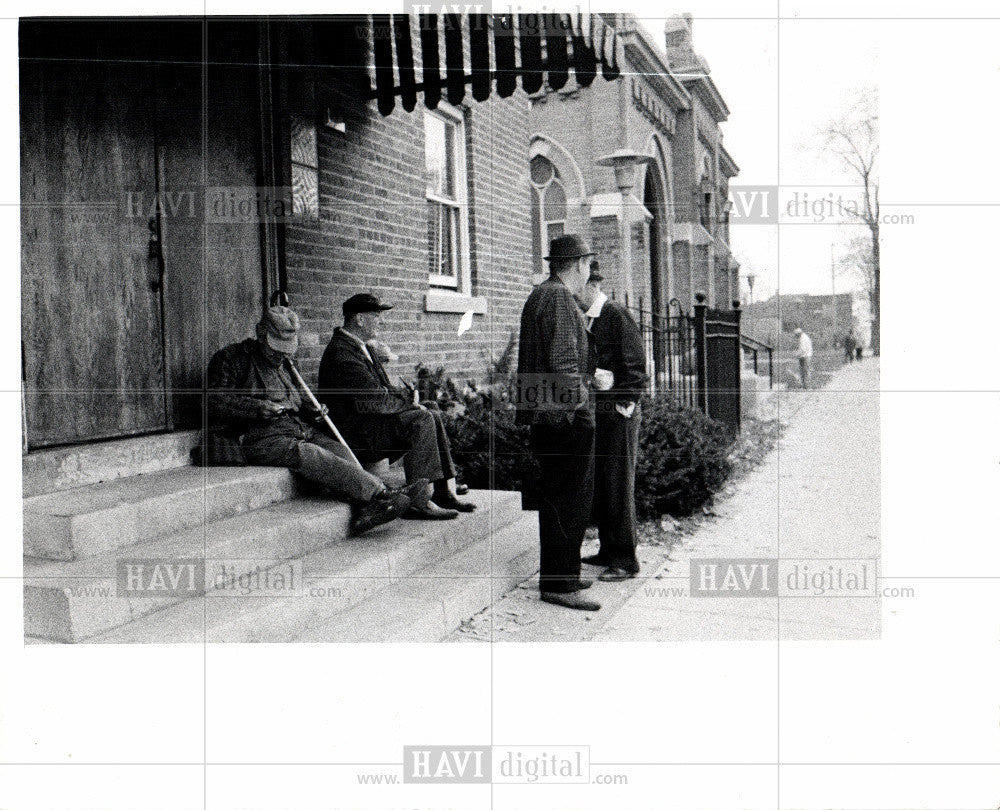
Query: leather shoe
(449, 501)
(614, 574)
(583, 584)
(430, 511)
(595, 559)
(418, 492)
(384, 508)
(570, 600)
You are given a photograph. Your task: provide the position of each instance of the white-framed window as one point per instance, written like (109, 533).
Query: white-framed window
(447, 206)
(548, 208)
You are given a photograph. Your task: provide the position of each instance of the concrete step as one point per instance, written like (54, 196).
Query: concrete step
(88, 520)
(83, 464)
(71, 601)
(334, 579)
(429, 605)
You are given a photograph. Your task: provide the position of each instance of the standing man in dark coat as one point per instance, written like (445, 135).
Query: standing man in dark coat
(553, 395)
(380, 420)
(620, 352)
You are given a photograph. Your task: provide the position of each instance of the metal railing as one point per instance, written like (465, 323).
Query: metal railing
(753, 347)
(678, 356)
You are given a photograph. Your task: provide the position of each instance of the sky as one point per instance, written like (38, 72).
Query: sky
(783, 81)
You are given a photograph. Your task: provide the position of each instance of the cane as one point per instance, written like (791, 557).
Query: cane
(326, 417)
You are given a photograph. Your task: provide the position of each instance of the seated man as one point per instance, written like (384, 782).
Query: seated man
(254, 401)
(380, 420)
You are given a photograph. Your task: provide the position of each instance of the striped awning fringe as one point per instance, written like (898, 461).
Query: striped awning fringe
(501, 48)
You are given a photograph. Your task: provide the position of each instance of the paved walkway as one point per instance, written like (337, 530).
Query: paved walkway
(813, 503)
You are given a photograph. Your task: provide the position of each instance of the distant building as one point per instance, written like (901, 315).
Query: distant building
(664, 105)
(826, 318)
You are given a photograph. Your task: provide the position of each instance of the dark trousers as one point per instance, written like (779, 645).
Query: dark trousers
(565, 455)
(417, 435)
(288, 442)
(616, 447)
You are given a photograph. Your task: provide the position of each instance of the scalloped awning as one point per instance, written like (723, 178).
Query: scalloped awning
(483, 50)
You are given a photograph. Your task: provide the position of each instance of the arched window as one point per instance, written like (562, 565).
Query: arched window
(548, 208)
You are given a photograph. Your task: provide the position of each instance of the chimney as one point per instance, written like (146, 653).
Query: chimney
(678, 30)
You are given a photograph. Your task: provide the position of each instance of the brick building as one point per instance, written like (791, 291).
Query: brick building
(666, 106)
(176, 173)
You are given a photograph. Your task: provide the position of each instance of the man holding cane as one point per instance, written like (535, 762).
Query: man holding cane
(258, 409)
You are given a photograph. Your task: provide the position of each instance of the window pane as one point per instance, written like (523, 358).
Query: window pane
(442, 239)
(541, 170)
(435, 154)
(555, 230)
(451, 160)
(303, 138)
(305, 191)
(555, 202)
(536, 232)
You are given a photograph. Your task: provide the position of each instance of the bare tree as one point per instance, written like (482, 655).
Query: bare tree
(857, 260)
(853, 139)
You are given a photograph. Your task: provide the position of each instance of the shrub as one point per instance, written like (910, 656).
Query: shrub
(683, 455)
(683, 459)
(472, 416)
(507, 463)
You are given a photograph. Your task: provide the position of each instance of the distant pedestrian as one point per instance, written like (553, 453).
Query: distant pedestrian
(850, 344)
(858, 352)
(804, 351)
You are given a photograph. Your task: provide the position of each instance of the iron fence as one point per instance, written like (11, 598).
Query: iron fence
(697, 359)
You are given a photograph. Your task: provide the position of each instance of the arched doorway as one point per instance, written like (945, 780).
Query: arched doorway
(654, 200)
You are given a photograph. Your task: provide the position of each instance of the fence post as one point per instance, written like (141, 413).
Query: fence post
(739, 368)
(701, 352)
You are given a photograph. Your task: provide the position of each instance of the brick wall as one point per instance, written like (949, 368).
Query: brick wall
(372, 232)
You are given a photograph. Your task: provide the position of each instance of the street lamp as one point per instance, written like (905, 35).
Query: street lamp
(625, 162)
(751, 278)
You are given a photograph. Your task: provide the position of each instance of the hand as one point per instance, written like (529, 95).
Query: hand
(323, 411)
(270, 409)
(626, 410)
(603, 379)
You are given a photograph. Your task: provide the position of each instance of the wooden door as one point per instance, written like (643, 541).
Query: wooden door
(208, 130)
(91, 318)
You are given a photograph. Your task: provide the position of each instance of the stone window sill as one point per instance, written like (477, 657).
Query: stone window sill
(447, 301)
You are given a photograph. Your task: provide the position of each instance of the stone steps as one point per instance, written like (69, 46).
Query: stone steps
(79, 465)
(89, 520)
(412, 580)
(430, 604)
(73, 600)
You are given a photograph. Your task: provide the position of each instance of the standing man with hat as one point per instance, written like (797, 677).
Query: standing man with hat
(554, 369)
(620, 352)
(381, 420)
(258, 414)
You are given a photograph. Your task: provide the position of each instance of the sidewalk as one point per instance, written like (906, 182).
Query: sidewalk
(814, 502)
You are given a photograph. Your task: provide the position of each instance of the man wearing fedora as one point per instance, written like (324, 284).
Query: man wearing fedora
(257, 414)
(380, 420)
(554, 369)
(616, 446)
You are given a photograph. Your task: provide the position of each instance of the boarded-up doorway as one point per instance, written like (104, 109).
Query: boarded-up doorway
(127, 289)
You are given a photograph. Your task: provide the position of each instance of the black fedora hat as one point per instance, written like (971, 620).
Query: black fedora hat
(364, 302)
(570, 246)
